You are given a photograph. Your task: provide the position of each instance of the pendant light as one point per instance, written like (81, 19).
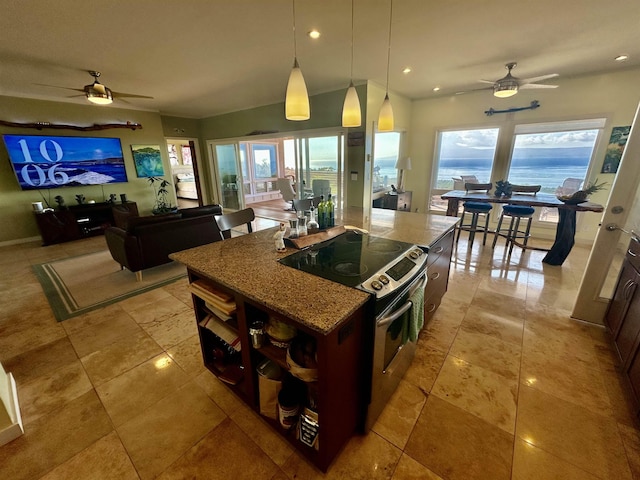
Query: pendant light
(351, 113)
(296, 104)
(385, 118)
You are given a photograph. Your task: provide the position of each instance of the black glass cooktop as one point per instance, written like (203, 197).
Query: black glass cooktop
(349, 259)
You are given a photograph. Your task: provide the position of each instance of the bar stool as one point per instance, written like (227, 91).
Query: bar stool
(516, 213)
(475, 209)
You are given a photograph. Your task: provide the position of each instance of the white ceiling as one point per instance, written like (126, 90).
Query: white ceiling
(199, 58)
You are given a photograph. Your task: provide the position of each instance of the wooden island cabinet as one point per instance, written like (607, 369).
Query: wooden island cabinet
(238, 283)
(623, 317)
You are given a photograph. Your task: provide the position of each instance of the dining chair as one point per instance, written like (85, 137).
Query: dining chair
(228, 221)
(516, 213)
(321, 187)
(475, 209)
(304, 204)
(287, 191)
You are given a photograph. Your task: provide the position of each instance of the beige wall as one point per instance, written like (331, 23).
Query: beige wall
(16, 214)
(611, 96)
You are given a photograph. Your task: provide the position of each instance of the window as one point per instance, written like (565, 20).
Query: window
(259, 162)
(554, 155)
(386, 150)
(461, 153)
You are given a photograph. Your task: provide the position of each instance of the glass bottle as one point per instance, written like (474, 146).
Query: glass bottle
(330, 215)
(322, 213)
(313, 224)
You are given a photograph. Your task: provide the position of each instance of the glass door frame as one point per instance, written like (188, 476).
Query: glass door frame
(218, 192)
(299, 138)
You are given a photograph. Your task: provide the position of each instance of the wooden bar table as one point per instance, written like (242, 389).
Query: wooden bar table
(565, 231)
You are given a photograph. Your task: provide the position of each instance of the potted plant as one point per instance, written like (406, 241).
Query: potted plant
(582, 195)
(162, 203)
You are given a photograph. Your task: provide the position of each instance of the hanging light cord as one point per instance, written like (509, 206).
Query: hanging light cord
(389, 49)
(352, 41)
(295, 47)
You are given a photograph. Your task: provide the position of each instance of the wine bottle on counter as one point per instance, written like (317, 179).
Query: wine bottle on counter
(322, 213)
(330, 215)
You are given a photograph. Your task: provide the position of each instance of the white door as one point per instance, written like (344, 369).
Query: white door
(621, 212)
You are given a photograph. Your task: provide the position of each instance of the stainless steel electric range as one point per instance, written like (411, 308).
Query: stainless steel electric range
(391, 271)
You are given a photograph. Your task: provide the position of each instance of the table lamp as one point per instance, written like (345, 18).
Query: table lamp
(403, 163)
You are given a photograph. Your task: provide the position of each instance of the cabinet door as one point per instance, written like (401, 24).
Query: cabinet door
(621, 298)
(634, 377)
(628, 334)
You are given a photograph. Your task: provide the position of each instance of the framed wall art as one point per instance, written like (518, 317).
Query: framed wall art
(147, 160)
(615, 148)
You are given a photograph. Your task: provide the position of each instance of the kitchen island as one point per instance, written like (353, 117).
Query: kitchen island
(248, 285)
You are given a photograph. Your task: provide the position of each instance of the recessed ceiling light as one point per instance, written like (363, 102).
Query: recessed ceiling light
(314, 34)
(621, 58)
(406, 70)
(436, 89)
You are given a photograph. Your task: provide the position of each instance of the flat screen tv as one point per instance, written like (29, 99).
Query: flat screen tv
(50, 162)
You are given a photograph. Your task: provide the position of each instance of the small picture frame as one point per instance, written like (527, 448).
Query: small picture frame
(147, 160)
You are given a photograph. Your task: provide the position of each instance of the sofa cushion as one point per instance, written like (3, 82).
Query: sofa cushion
(135, 222)
(199, 211)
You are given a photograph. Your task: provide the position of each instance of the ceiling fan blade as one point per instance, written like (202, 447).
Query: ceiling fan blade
(128, 95)
(463, 92)
(529, 86)
(538, 79)
(57, 86)
(486, 81)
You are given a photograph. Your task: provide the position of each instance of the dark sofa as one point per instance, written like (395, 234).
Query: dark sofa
(138, 243)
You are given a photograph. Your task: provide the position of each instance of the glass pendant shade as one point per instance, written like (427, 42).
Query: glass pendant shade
(296, 102)
(351, 113)
(385, 119)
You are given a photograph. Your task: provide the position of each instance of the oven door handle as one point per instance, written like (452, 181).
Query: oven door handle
(402, 310)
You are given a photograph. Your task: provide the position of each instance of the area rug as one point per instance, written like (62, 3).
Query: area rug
(80, 284)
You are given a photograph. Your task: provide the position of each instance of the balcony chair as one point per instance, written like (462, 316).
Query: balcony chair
(321, 187)
(475, 209)
(516, 213)
(231, 220)
(287, 191)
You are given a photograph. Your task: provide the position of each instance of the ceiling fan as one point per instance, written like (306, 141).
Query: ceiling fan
(509, 85)
(98, 93)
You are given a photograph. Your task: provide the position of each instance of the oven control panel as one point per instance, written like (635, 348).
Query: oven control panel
(397, 273)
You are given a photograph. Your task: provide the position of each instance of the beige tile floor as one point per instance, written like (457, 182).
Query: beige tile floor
(504, 386)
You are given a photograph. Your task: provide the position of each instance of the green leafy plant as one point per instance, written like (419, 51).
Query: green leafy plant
(582, 195)
(162, 203)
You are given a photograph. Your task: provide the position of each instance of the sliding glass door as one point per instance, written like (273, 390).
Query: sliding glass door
(227, 174)
(319, 165)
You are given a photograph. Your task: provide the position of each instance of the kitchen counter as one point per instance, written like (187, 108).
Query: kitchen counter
(248, 265)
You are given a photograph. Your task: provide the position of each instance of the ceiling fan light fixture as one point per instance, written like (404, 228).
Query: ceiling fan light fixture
(505, 88)
(98, 94)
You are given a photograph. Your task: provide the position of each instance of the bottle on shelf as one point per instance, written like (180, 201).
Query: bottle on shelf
(322, 213)
(330, 209)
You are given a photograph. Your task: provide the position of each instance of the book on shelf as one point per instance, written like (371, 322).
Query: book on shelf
(220, 300)
(217, 312)
(221, 330)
